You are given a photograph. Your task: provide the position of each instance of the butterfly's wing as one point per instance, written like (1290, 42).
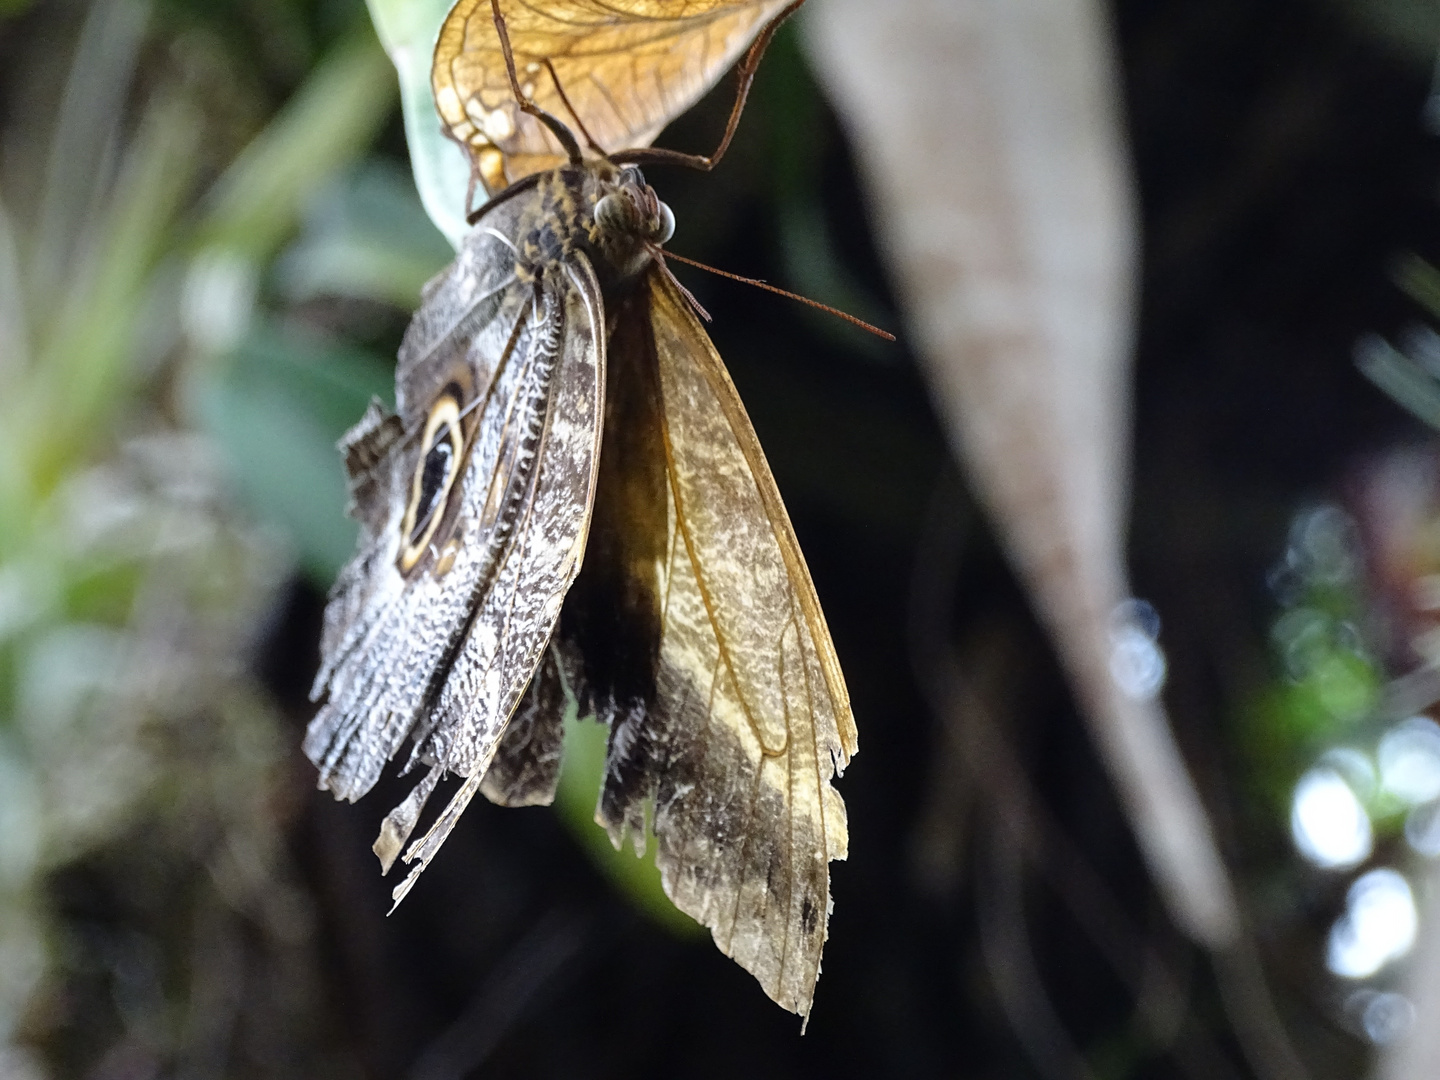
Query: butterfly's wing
(748, 717)
(525, 770)
(627, 67)
(473, 504)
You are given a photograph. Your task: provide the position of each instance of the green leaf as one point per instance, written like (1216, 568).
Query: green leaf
(408, 29)
(277, 408)
(85, 365)
(581, 772)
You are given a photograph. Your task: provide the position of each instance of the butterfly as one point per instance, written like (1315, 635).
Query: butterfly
(570, 501)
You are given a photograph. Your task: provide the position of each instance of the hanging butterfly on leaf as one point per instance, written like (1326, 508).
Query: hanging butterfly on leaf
(570, 500)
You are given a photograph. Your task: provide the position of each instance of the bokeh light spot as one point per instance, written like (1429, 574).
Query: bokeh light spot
(1330, 827)
(1409, 757)
(1137, 663)
(1378, 925)
(1422, 829)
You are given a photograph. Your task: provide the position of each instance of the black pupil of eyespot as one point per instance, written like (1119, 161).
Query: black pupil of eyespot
(438, 461)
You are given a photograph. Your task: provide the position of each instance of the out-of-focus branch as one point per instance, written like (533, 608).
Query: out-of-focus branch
(990, 138)
(1005, 943)
(1417, 1054)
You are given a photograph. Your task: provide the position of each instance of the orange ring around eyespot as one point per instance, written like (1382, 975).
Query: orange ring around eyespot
(445, 411)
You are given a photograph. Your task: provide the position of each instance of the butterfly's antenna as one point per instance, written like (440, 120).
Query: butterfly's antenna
(557, 128)
(655, 156)
(565, 100)
(771, 288)
(659, 254)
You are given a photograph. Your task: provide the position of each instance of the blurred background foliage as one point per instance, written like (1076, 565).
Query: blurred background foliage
(210, 241)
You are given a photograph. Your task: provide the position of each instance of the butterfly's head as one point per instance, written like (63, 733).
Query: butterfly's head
(629, 222)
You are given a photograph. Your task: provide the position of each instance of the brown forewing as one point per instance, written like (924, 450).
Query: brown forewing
(612, 616)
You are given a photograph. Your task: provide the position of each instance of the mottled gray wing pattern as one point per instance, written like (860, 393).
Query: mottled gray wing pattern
(386, 632)
(525, 770)
(516, 616)
(751, 717)
(440, 650)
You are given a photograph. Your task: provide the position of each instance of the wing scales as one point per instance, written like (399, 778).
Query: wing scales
(751, 718)
(444, 652)
(514, 620)
(387, 632)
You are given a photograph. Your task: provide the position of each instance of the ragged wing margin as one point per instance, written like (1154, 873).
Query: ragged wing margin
(511, 612)
(387, 635)
(752, 718)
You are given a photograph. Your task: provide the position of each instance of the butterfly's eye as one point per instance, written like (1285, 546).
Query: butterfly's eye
(434, 477)
(664, 226)
(612, 213)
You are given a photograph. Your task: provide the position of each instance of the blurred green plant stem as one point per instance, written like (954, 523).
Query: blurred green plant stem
(128, 588)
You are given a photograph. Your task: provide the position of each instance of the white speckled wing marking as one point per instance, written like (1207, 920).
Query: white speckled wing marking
(752, 718)
(387, 632)
(517, 615)
(443, 650)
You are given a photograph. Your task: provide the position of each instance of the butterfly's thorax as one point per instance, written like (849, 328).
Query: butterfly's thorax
(607, 211)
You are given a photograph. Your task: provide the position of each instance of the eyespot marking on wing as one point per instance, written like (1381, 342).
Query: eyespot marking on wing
(434, 478)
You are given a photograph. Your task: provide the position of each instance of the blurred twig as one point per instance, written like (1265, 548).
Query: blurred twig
(1005, 943)
(1013, 239)
(510, 988)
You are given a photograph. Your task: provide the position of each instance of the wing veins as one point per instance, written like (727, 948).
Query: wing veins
(484, 581)
(789, 819)
(367, 638)
(520, 537)
(453, 330)
(802, 589)
(705, 597)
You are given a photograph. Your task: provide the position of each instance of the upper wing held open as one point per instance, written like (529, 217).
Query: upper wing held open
(628, 67)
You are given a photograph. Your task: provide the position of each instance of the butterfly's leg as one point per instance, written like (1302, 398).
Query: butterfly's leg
(470, 187)
(742, 91)
(474, 168)
(564, 100)
(558, 129)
